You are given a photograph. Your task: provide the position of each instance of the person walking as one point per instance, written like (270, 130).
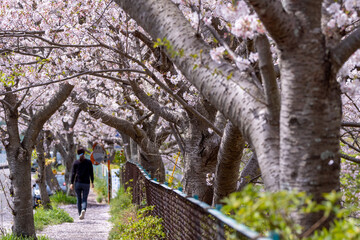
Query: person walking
(82, 174)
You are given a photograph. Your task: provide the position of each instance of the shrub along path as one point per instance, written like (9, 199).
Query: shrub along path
(95, 226)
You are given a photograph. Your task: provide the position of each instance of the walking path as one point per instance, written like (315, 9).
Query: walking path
(95, 226)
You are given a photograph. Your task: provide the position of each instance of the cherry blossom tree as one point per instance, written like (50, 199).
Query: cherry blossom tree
(274, 69)
(295, 136)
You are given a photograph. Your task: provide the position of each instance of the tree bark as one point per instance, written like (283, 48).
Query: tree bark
(126, 141)
(201, 150)
(228, 163)
(41, 181)
(251, 171)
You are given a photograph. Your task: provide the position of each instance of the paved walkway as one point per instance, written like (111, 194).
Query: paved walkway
(95, 226)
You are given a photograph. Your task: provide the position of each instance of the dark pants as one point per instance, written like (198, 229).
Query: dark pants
(82, 192)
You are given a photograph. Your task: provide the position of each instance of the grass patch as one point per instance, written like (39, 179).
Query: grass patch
(119, 205)
(101, 189)
(53, 216)
(13, 237)
(62, 198)
(130, 222)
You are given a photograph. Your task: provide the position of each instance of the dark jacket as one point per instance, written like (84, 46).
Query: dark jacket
(82, 172)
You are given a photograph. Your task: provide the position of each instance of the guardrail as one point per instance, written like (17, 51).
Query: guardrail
(183, 217)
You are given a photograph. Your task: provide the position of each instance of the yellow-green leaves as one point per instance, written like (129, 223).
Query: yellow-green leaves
(169, 47)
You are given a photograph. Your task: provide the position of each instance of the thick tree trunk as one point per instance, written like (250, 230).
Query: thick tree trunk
(41, 181)
(310, 124)
(149, 161)
(200, 161)
(228, 162)
(19, 161)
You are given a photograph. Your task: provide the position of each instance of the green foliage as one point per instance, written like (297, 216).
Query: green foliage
(9, 80)
(169, 47)
(100, 188)
(13, 237)
(59, 168)
(121, 202)
(350, 182)
(52, 216)
(62, 198)
(132, 223)
(119, 157)
(265, 212)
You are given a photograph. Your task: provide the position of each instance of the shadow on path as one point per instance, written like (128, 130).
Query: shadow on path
(95, 226)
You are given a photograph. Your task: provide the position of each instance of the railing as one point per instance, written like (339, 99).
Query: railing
(183, 217)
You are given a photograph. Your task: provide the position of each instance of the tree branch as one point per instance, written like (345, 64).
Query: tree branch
(74, 76)
(178, 139)
(342, 52)
(349, 145)
(350, 124)
(117, 123)
(45, 113)
(267, 71)
(153, 105)
(280, 25)
(75, 118)
(351, 159)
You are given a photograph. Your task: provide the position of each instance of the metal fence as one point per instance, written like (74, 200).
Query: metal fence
(183, 217)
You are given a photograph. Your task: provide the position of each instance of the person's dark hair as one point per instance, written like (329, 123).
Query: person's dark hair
(80, 151)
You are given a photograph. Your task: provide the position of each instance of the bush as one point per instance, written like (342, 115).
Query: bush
(131, 222)
(266, 212)
(62, 198)
(100, 188)
(52, 216)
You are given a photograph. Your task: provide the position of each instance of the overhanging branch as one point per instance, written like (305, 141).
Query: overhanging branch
(351, 159)
(346, 48)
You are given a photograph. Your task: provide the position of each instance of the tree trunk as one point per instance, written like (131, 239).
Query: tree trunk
(126, 142)
(41, 181)
(51, 180)
(310, 125)
(19, 156)
(228, 163)
(19, 161)
(200, 160)
(133, 150)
